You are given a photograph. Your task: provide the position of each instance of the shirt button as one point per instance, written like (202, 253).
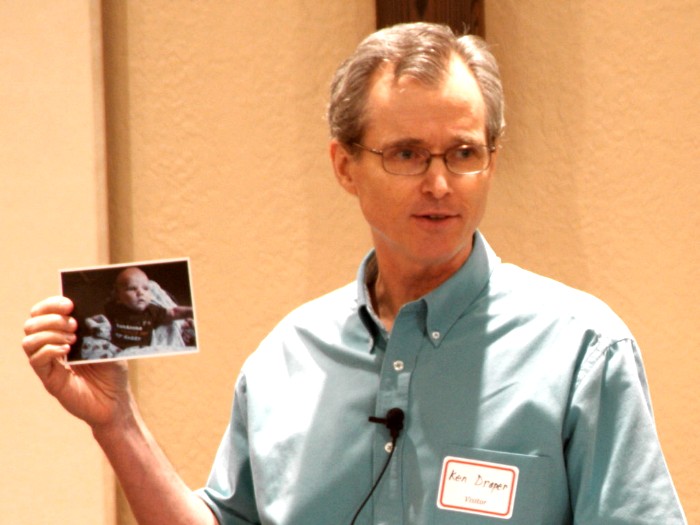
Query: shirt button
(398, 366)
(389, 447)
(435, 335)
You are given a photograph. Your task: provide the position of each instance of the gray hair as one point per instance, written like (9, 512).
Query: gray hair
(419, 50)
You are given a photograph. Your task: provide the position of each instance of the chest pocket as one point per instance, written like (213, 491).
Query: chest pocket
(485, 487)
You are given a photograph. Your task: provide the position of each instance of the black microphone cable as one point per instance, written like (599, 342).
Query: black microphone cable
(394, 422)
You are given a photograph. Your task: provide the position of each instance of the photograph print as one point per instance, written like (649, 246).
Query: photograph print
(133, 310)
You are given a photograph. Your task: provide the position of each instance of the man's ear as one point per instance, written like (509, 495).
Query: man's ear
(494, 158)
(343, 163)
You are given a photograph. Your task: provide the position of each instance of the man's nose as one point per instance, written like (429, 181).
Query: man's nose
(436, 178)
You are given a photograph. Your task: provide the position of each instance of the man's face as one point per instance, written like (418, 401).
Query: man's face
(133, 290)
(429, 219)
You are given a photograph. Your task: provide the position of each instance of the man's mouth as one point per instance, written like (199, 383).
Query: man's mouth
(435, 216)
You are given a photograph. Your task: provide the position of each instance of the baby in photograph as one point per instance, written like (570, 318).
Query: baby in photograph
(131, 313)
(132, 318)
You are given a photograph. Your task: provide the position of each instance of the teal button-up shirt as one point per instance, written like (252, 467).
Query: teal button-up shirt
(525, 400)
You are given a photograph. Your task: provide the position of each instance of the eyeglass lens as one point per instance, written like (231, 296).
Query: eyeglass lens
(409, 160)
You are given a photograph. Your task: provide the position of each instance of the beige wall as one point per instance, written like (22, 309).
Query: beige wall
(52, 208)
(597, 186)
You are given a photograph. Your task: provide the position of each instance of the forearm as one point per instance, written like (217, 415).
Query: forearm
(156, 494)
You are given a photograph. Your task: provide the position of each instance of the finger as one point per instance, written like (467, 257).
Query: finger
(50, 322)
(32, 343)
(47, 354)
(52, 305)
(50, 366)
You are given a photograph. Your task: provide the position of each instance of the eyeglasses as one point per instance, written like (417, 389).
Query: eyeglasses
(465, 159)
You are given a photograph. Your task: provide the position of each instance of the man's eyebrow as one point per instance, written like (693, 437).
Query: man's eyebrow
(408, 141)
(468, 138)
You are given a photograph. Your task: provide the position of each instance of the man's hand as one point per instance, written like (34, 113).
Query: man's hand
(99, 394)
(91, 392)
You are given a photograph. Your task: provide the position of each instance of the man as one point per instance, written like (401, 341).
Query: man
(499, 395)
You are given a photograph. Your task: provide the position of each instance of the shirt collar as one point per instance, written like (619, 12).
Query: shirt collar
(452, 299)
(366, 276)
(444, 305)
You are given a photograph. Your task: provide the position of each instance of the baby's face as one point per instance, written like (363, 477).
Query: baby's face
(133, 290)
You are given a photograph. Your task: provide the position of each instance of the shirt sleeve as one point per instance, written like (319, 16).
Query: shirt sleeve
(159, 314)
(229, 491)
(617, 472)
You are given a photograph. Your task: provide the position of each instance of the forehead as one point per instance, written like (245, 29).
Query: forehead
(131, 277)
(406, 108)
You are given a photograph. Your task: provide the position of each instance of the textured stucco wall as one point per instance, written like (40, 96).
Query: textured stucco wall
(53, 214)
(598, 181)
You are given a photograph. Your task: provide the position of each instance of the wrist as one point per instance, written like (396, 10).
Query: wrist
(124, 419)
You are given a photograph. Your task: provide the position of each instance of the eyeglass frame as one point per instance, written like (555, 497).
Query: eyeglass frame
(489, 149)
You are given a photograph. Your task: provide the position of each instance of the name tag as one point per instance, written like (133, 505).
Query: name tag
(477, 487)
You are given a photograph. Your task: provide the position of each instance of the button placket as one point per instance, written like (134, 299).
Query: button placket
(400, 357)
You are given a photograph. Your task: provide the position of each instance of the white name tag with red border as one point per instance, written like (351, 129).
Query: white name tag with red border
(477, 487)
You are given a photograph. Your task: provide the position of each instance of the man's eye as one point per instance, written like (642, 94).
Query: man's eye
(404, 154)
(464, 152)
